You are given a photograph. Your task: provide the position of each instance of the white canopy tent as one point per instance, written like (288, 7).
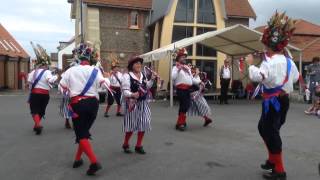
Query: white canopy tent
(236, 40)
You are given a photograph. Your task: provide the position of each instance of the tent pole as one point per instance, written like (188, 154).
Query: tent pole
(171, 81)
(300, 69)
(232, 67)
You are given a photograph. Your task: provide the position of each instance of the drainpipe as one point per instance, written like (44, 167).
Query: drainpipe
(81, 21)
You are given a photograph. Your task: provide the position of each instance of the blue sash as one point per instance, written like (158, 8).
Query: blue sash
(90, 82)
(273, 100)
(35, 82)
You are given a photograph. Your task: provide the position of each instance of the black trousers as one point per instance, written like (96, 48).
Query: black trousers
(271, 123)
(86, 110)
(38, 103)
(224, 89)
(116, 96)
(184, 100)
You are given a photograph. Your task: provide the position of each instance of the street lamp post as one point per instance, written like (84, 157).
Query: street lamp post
(81, 21)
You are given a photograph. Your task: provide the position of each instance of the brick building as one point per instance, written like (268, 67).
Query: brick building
(14, 62)
(115, 27)
(173, 20)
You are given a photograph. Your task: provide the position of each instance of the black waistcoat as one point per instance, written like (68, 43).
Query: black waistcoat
(136, 86)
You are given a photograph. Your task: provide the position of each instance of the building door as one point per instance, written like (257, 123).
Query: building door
(209, 67)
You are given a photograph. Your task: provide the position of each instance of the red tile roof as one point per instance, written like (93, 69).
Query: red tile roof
(134, 4)
(311, 50)
(9, 46)
(303, 27)
(239, 8)
(307, 28)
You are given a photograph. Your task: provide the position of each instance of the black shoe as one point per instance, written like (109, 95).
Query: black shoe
(126, 149)
(119, 114)
(106, 115)
(77, 164)
(67, 125)
(267, 166)
(93, 168)
(207, 122)
(140, 150)
(38, 130)
(180, 127)
(275, 176)
(226, 102)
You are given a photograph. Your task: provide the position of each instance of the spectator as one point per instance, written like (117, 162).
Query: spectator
(314, 73)
(225, 77)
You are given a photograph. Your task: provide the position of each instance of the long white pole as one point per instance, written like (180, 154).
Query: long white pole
(171, 81)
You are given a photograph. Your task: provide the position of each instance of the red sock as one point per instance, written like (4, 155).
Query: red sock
(181, 119)
(278, 162)
(36, 119)
(108, 107)
(184, 118)
(79, 153)
(271, 157)
(127, 138)
(139, 139)
(118, 109)
(86, 147)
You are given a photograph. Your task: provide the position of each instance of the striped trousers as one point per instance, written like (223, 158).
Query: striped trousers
(199, 107)
(139, 119)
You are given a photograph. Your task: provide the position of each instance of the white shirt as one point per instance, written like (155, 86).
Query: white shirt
(75, 79)
(226, 73)
(45, 81)
(196, 80)
(126, 84)
(182, 77)
(114, 81)
(273, 72)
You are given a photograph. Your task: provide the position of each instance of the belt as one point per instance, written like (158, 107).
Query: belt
(77, 99)
(183, 86)
(115, 88)
(39, 91)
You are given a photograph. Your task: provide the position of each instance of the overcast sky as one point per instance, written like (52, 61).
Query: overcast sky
(48, 21)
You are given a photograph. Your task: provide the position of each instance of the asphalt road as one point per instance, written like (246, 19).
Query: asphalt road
(232, 149)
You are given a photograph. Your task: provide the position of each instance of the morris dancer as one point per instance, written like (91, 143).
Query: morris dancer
(64, 111)
(82, 83)
(276, 75)
(115, 85)
(199, 105)
(183, 79)
(40, 81)
(137, 116)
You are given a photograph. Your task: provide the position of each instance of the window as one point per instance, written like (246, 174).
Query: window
(134, 20)
(185, 11)
(209, 67)
(203, 50)
(206, 14)
(181, 32)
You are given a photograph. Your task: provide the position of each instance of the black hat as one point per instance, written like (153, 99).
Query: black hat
(134, 60)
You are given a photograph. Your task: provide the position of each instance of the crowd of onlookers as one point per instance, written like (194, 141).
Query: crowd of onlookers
(313, 87)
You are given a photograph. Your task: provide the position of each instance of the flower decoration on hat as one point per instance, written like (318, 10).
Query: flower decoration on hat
(114, 60)
(86, 52)
(278, 32)
(180, 52)
(43, 58)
